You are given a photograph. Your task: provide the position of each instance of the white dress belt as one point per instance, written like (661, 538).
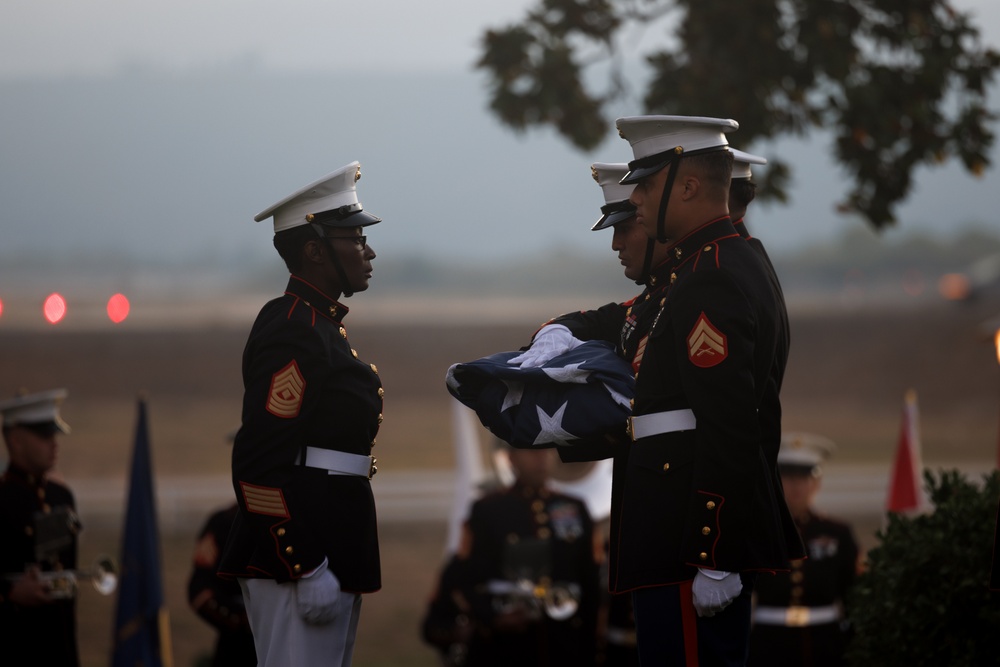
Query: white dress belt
(796, 617)
(340, 463)
(643, 426)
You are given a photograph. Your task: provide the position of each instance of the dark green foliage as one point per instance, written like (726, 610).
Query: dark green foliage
(924, 598)
(899, 83)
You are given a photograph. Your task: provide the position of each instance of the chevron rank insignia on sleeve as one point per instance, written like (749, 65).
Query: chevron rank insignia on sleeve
(706, 344)
(287, 389)
(264, 500)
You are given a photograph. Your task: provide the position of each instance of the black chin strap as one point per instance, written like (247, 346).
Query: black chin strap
(345, 283)
(647, 262)
(661, 232)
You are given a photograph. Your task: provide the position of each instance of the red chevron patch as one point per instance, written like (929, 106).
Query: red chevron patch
(706, 344)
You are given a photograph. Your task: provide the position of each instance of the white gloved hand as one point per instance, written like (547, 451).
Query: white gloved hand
(316, 596)
(714, 590)
(550, 341)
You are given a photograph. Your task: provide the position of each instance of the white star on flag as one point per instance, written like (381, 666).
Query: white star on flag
(551, 430)
(570, 373)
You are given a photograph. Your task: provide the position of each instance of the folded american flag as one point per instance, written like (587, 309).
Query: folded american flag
(576, 397)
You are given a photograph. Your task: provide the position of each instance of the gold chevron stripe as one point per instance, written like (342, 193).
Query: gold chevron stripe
(264, 500)
(287, 389)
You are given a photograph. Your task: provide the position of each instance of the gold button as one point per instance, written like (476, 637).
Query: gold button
(708, 248)
(289, 550)
(673, 278)
(710, 505)
(537, 506)
(631, 402)
(381, 392)
(629, 311)
(677, 253)
(281, 532)
(379, 419)
(652, 280)
(297, 568)
(343, 332)
(333, 311)
(374, 368)
(666, 466)
(703, 556)
(354, 353)
(706, 531)
(663, 302)
(541, 517)
(647, 297)
(544, 533)
(796, 577)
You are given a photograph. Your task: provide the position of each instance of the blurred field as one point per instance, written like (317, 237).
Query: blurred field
(847, 375)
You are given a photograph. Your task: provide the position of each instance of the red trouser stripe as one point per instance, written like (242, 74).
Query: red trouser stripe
(689, 623)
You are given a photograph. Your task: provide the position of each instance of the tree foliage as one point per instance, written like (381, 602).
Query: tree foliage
(900, 83)
(924, 599)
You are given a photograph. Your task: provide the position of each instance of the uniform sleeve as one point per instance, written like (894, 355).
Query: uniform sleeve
(478, 558)
(283, 377)
(604, 323)
(850, 564)
(217, 601)
(715, 332)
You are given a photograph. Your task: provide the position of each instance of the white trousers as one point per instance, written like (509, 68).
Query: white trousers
(283, 639)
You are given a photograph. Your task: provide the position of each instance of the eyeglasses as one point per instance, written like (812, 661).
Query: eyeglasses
(361, 241)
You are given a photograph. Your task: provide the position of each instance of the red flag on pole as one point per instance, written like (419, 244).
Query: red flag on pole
(905, 489)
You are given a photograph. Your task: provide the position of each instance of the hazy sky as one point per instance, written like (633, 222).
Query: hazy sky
(396, 88)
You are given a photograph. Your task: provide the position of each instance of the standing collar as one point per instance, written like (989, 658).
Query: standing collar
(316, 299)
(22, 475)
(689, 245)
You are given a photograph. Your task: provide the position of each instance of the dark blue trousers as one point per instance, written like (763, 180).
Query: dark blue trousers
(670, 633)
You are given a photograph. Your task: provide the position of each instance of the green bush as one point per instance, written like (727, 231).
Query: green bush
(924, 598)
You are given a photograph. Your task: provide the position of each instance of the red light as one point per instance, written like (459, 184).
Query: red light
(118, 307)
(1, 307)
(54, 308)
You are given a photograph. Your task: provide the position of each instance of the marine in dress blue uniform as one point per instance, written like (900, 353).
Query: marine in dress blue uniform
(528, 569)
(38, 532)
(694, 497)
(799, 615)
(302, 459)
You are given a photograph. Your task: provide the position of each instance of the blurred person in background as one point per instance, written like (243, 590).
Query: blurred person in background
(39, 531)
(528, 568)
(304, 544)
(218, 601)
(799, 615)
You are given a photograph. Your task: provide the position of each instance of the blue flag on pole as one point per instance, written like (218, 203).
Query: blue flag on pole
(142, 630)
(575, 398)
